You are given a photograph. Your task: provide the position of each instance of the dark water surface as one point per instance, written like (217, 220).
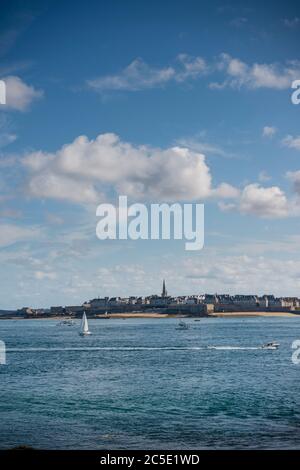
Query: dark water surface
(143, 384)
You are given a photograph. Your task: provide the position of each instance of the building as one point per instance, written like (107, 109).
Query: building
(99, 302)
(115, 301)
(291, 302)
(73, 309)
(57, 310)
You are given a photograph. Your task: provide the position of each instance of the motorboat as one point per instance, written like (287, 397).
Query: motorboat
(271, 345)
(69, 322)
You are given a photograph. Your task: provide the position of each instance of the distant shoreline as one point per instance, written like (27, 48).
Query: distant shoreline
(163, 315)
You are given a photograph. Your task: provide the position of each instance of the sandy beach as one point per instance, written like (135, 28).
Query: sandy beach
(253, 314)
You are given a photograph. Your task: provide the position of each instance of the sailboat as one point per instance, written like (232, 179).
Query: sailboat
(84, 327)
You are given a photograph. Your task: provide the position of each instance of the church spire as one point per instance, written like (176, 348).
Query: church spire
(164, 290)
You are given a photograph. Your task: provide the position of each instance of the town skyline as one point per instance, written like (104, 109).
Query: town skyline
(164, 298)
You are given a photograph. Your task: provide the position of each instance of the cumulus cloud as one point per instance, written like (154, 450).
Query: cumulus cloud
(269, 131)
(84, 170)
(264, 202)
(19, 95)
(240, 74)
(270, 202)
(138, 75)
(50, 184)
(225, 191)
(292, 142)
(93, 171)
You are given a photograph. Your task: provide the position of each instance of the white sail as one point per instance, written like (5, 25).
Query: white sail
(84, 327)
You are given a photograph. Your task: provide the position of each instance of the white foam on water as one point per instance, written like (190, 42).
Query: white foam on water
(234, 348)
(137, 348)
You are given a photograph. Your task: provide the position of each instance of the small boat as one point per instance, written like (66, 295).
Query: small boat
(84, 327)
(272, 345)
(106, 315)
(182, 326)
(197, 319)
(69, 322)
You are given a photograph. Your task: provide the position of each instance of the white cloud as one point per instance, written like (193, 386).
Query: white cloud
(135, 76)
(19, 95)
(226, 191)
(292, 142)
(192, 67)
(85, 170)
(265, 202)
(138, 75)
(197, 144)
(93, 171)
(269, 131)
(50, 184)
(240, 74)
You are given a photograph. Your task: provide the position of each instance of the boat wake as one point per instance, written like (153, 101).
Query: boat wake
(136, 348)
(234, 348)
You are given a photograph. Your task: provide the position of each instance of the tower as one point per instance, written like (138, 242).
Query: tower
(164, 290)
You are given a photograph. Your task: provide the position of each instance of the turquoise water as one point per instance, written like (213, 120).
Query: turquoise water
(145, 385)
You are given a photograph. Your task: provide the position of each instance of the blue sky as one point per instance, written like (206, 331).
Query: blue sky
(139, 79)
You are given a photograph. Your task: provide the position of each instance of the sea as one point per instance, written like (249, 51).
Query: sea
(144, 384)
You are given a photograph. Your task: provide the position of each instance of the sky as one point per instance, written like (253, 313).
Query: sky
(174, 101)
